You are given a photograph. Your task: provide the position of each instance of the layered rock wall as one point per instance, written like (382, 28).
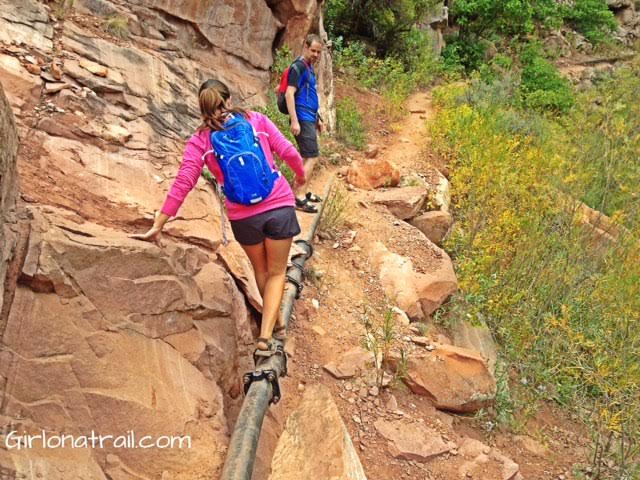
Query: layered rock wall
(102, 333)
(8, 189)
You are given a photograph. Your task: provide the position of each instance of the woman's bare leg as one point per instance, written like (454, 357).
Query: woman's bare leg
(277, 252)
(258, 258)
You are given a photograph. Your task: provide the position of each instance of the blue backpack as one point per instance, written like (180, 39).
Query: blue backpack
(248, 177)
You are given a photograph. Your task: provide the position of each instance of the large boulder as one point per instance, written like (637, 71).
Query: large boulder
(453, 378)
(373, 173)
(315, 442)
(114, 335)
(412, 441)
(404, 202)
(435, 224)
(476, 336)
(349, 364)
(419, 294)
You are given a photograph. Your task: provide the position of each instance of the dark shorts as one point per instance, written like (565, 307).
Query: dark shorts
(275, 224)
(308, 140)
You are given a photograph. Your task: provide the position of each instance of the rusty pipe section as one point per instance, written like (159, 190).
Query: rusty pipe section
(263, 381)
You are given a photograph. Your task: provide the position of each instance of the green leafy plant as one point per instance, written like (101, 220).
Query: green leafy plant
(561, 292)
(592, 18)
(349, 127)
(542, 87)
(118, 26)
(380, 336)
(335, 210)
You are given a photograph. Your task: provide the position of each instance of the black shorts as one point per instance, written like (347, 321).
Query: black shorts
(276, 224)
(307, 140)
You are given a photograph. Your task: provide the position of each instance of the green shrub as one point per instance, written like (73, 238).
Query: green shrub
(390, 77)
(592, 18)
(542, 87)
(605, 159)
(281, 61)
(563, 301)
(117, 26)
(389, 25)
(460, 55)
(349, 127)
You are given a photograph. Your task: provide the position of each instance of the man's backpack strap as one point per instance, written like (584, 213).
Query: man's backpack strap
(304, 74)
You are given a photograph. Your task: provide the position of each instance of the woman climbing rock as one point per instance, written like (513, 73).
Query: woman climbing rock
(237, 146)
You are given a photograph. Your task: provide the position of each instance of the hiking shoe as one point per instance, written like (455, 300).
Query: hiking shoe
(304, 205)
(312, 197)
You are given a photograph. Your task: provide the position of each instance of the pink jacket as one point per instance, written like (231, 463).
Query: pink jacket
(192, 163)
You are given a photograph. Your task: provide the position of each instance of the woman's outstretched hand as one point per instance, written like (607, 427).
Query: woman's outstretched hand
(154, 233)
(300, 181)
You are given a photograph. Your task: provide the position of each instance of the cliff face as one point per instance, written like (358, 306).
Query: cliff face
(8, 189)
(101, 332)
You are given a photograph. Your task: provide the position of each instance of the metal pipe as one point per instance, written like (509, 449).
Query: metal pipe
(241, 453)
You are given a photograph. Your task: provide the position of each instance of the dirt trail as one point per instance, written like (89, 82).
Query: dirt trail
(343, 286)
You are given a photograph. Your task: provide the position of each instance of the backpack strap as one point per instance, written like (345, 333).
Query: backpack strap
(220, 193)
(304, 76)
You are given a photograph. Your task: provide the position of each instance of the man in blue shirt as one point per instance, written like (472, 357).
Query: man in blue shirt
(303, 105)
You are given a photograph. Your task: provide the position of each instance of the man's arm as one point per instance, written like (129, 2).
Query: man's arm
(289, 96)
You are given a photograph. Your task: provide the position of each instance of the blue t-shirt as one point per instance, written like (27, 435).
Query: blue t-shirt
(302, 76)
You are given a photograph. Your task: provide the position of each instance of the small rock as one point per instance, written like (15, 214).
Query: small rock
(400, 316)
(363, 392)
(319, 330)
(351, 235)
(357, 419)
(373, 391)
(55, 87)
(371, 151)
(351, 188)
(392, 403)
(355, 248)
(33, 69)
(336, 245)
(315, 303)
(94, 67)
(56, 71)
(422, 341)
(300, 387)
